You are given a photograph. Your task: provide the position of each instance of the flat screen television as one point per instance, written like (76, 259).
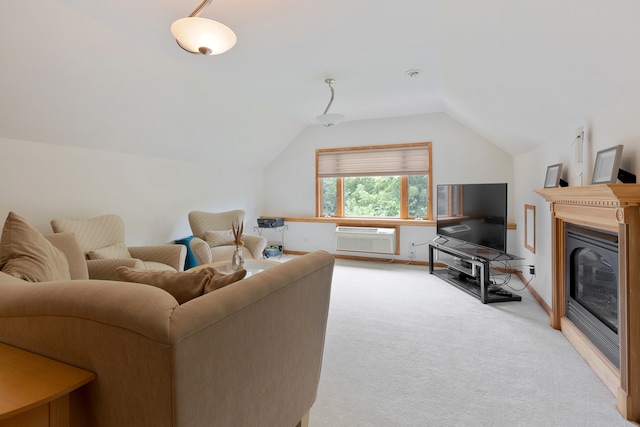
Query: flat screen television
(473, 213)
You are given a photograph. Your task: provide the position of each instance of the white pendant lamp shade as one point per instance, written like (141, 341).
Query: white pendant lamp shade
(330, 119)
(201, 35)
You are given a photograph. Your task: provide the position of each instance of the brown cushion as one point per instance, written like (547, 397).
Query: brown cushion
(219, 238)
(26, 254)
(117, 251)
(220, 280)
(183, 285)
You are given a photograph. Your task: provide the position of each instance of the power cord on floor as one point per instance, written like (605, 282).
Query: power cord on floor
(508, 269)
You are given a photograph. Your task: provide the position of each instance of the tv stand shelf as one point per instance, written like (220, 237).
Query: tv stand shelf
(468, 268)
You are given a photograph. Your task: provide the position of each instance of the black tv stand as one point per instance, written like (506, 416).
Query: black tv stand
(467, 268)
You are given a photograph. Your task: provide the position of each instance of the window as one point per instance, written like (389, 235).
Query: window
(388, 181)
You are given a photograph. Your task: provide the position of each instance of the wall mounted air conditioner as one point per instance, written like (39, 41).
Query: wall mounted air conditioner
(366, 239)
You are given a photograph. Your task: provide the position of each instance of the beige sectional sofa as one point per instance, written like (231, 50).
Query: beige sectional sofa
(248, 354)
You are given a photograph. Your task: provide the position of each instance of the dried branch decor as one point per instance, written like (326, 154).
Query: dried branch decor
(237, 233)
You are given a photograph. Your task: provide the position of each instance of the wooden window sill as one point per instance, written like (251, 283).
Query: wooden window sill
(369, 222)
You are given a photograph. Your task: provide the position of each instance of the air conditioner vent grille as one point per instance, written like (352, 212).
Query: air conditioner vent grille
(366, 239)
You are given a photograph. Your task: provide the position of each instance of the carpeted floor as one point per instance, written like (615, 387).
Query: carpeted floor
(404, 348)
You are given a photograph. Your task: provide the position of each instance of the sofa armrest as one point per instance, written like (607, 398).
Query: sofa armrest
(255, 244)
(111, 303)
(117, 330)
(172, 255)
(201, 250)
(105, 269)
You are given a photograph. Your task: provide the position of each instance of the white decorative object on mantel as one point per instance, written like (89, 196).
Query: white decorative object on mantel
(578, 159)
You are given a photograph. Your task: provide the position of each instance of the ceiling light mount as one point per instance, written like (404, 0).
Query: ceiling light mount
(329, 120)
(202, 36)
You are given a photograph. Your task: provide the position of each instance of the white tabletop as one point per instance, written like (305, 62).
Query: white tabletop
(253, 266)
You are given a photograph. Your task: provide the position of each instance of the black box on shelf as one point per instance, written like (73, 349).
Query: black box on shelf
(270, 222)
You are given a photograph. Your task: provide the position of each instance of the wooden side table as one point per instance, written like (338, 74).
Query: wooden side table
(34, 390)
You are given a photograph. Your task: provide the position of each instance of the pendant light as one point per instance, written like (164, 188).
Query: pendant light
(201, 35)
(325, 118)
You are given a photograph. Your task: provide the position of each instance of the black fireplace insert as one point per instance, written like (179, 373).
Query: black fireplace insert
(592, 287)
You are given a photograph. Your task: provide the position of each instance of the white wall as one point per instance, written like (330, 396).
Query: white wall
(459, 156)
(617, 125)
(153, 196)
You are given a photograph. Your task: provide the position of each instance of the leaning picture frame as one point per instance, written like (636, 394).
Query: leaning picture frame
(530, 227)
(552, 179)
(605, 170)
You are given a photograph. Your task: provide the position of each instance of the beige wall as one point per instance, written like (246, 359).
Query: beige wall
(154, 196)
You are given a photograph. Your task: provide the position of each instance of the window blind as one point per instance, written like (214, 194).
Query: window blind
(392, 161)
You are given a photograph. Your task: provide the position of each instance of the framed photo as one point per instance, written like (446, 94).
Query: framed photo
(552, 179)
(607, 164)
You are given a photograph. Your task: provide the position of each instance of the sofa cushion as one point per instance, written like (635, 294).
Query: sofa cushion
(220, 280)
(117, 251)
(219, 238)
(183, 285)
(27, 255)
(152, 265)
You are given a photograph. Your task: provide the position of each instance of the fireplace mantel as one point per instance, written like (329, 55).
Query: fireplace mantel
(614, 208)
(609, 195)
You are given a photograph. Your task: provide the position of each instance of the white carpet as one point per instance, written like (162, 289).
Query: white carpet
(404, 348)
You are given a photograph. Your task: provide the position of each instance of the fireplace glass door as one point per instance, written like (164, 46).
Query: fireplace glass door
(592, 287)
(595, 286)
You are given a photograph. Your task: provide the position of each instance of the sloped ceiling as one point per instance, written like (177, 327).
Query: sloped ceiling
(108, 75)
(529, 73)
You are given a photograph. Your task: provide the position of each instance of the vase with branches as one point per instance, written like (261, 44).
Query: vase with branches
(237, 260)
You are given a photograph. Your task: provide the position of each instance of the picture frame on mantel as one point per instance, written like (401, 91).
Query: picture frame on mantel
(552, 179)
(606, 168)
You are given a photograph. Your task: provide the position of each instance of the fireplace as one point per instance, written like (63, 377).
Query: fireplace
(591, 280)
(595, 232)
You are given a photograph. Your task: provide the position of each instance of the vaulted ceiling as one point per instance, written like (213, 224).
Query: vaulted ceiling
(109, 75)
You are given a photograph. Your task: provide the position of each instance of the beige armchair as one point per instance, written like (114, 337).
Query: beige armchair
(102, 242)
(213, 238)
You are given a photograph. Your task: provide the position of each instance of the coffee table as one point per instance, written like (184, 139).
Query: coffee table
(253, 266)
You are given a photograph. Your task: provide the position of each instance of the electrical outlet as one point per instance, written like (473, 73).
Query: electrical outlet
(412, 254)
(532, 270)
